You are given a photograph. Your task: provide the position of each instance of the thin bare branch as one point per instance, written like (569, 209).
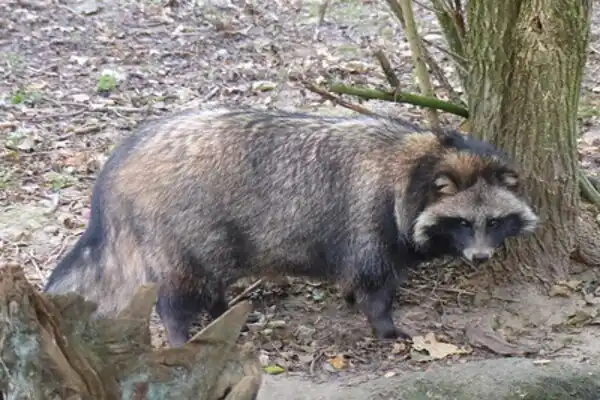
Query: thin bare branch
(440, 76)
(336, 100)
(416, 47)
(387, 69)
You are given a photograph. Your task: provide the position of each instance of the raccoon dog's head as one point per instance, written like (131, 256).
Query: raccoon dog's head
(473, 202)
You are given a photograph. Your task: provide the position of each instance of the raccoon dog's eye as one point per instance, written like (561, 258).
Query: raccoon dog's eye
(464, 222)
(492, 222)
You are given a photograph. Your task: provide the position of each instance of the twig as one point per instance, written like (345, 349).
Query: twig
(460, 60)
(423, 6)
(326, 95)
(38, 117)
(84, 130)
(7, 125)
(452, 22)
(399, 97)
(249, 289)
(416, 47)
(439, 74)
(212, 93)
(453, 290)
(322, 11)
(594, 50)
(397, 10)
(311, 369)
(387, 69)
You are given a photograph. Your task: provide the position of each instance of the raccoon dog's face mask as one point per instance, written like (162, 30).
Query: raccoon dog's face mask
(475, 221)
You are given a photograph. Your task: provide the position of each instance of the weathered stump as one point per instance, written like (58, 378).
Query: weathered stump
(51, 348)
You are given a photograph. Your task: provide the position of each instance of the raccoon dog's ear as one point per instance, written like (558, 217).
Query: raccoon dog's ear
(445, 185)
(509, 178)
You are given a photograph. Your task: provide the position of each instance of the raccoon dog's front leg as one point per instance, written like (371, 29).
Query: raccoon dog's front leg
(374, 293)
(376, 303)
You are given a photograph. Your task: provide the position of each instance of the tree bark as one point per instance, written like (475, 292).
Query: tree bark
(527, 59)
(50, 348)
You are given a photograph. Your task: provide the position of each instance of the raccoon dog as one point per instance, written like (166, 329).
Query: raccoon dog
(202, 198)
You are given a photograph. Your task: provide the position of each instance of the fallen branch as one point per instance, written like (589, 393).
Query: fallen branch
(246, 291)
(52, 347)
(399, 97)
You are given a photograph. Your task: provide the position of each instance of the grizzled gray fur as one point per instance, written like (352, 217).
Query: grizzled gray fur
(199, 199)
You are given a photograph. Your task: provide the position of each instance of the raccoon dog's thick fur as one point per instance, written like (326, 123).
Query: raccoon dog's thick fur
(201, 198)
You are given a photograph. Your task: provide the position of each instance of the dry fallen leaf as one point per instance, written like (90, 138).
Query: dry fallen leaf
(436, 350)
(338, 362)
(482, 335)
(559, 290)
(573, 284)
(564, 288)
(581, 318)
(398, 348)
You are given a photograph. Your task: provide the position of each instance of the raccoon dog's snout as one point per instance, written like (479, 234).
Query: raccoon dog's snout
(478, 255)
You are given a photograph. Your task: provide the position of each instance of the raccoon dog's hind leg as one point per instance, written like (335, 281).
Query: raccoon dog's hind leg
(183, 295)
(179, 307)
(197, 284)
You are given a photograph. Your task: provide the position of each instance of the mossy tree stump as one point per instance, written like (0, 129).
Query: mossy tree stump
(51, 348)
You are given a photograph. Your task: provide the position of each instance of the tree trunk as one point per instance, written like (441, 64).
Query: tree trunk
(527, 59)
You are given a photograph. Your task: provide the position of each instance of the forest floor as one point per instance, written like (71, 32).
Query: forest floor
(77, 76)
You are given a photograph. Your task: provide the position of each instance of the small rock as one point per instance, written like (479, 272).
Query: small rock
(90, 7)
(305, 358)
(263, 358)
(433, 37)
(305, 333)
(263, 86)
(255, 317)
(329, 368)
(222, 53)
(51, 230)
(80, 98)
(276, 324)
(80, 60)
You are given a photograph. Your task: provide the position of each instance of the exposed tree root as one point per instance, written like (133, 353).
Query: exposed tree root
(588, 238)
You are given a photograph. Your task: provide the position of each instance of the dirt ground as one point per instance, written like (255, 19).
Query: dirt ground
(76, 76)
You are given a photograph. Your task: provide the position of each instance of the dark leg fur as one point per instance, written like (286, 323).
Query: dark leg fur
(178, 311)
(350, 299)
(217, 304)
(376, 302)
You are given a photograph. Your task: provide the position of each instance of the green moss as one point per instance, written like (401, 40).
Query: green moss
(575, 387)
(559, 388)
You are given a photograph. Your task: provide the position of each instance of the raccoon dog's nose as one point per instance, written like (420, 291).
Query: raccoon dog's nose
(480, 257)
